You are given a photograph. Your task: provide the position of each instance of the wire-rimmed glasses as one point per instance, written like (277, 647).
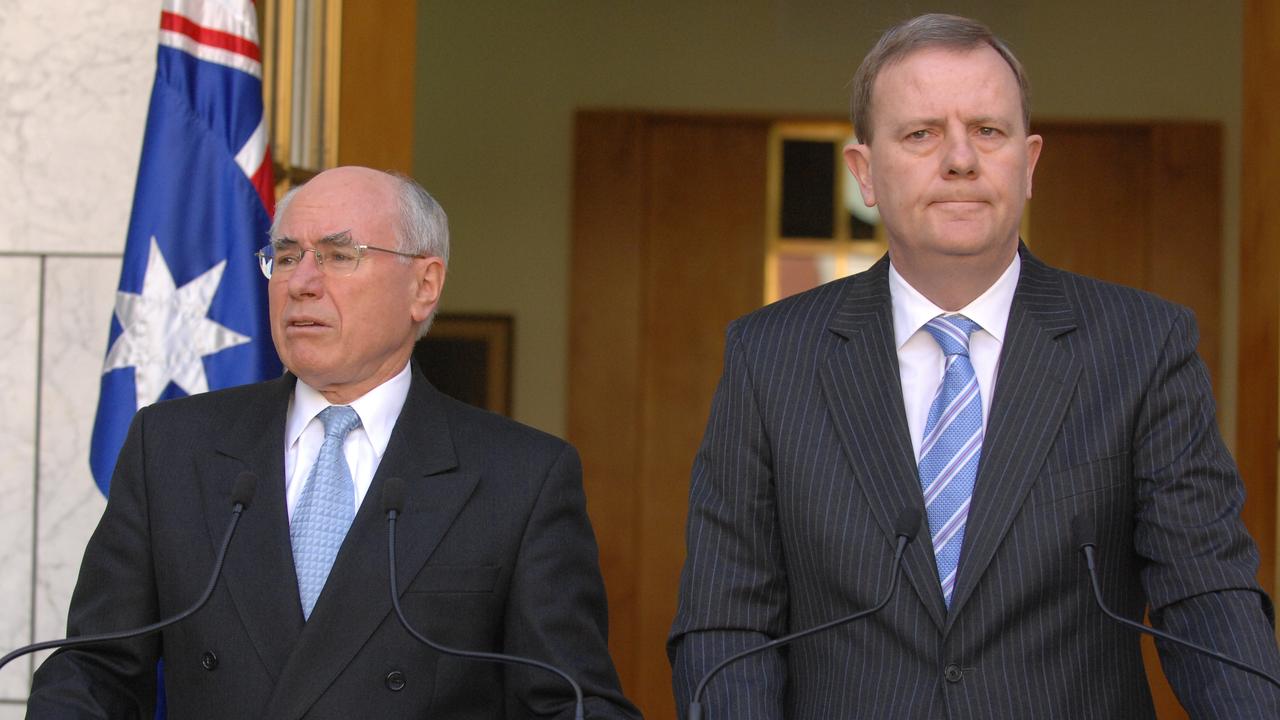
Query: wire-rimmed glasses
(339, 256)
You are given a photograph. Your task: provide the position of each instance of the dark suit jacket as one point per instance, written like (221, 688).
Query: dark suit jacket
(1101, 407)
(494, 552)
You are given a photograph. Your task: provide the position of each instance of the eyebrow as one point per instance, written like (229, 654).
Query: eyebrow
(988, 121)
(923, 122)
(342, 237)
(917, 122)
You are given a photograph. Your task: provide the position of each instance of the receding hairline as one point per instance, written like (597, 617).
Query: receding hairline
(374, 186)
(984, 117)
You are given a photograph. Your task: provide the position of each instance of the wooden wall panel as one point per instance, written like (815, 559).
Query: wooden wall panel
(1257, 429)
(375, 113)
(604, 357)
(1089, 210)
(1138, 204)
(704, 267)
(1184, 251)
(667, 250)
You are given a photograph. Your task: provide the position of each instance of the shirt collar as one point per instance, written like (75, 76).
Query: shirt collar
(990, 310)
(378, 409)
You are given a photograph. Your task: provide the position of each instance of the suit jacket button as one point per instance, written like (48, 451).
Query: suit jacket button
(394, 681)
(953, 673)
(209, 661)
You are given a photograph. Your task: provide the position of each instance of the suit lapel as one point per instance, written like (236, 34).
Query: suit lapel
(258, 572)
(355, 601)
(864, 394)
(1036, 380)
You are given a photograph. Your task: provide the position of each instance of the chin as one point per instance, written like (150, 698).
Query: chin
(971, 244)
(307, 369)
(957, 249)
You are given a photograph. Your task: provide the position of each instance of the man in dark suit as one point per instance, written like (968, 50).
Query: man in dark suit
(998, 397)
(494, 548)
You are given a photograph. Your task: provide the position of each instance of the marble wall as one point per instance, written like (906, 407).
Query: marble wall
(75, 79)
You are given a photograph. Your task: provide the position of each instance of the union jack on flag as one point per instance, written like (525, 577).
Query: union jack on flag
(191, 308)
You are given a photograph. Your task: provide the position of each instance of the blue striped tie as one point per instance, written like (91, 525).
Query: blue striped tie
(325, 509)
(951, 447)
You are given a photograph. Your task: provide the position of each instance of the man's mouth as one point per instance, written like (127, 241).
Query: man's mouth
(304, 323)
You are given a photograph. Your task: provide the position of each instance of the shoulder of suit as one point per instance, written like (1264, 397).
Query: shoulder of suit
(473, 425)
(219, 402)
(811, 309)
(1093, 298)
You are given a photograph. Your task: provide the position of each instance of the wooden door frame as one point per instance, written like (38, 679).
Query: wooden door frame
(1257, 426)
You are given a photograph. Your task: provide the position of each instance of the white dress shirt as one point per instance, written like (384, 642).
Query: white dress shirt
(304, 434)
(921, 363)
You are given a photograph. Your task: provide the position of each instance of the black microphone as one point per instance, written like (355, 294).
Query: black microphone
(904, 528)
(393, 505)
(241, 494)
(1082, 537)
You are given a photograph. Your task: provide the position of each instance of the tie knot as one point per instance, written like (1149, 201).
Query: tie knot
(952, 332)
(339, 420)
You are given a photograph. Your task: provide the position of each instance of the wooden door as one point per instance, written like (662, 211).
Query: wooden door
(1138, 204)
(1259, 293)
(667, 250)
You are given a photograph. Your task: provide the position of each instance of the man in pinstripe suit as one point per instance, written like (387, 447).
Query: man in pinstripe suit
(843, 405)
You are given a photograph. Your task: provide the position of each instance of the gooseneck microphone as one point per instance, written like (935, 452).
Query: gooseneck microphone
(393, 505)
(904, 528)
(241, 494)
(1082, 538)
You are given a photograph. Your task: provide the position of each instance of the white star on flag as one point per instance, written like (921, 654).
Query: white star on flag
(166, 331)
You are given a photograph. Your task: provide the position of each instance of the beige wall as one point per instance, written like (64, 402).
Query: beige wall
(498, 84)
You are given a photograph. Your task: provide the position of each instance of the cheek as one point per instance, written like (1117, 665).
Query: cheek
(896, 187)
(276, 300)
(275, 305)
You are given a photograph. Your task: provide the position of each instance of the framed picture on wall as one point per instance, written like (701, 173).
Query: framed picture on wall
(469, 357)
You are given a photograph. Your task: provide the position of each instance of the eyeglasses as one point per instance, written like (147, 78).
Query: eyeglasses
(340, 259)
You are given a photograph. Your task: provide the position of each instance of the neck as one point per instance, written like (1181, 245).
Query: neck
(949, 281)
(345, 393)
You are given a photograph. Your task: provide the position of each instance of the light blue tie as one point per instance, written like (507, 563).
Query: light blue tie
(951, 447)
(325, 509)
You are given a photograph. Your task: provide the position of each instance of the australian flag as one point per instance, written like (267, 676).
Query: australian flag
(191, 309)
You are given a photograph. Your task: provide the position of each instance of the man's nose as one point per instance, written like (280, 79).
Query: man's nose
(307, 277)
(960, 158)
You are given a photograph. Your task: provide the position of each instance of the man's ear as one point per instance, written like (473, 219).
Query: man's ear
(857, 156)
(429, 276)
(1035, 144)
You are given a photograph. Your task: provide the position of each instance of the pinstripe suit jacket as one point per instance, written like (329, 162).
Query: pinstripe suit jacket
(1101, 406)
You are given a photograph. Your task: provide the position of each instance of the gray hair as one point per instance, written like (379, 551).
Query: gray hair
(936, 30)
(422, 227)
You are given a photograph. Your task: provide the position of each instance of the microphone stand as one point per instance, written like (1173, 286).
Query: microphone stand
(908, 521)
(241, 494)
(1081, 530)
(392, 503)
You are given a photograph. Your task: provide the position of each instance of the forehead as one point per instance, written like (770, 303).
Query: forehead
(937, 82)
(327, 205)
